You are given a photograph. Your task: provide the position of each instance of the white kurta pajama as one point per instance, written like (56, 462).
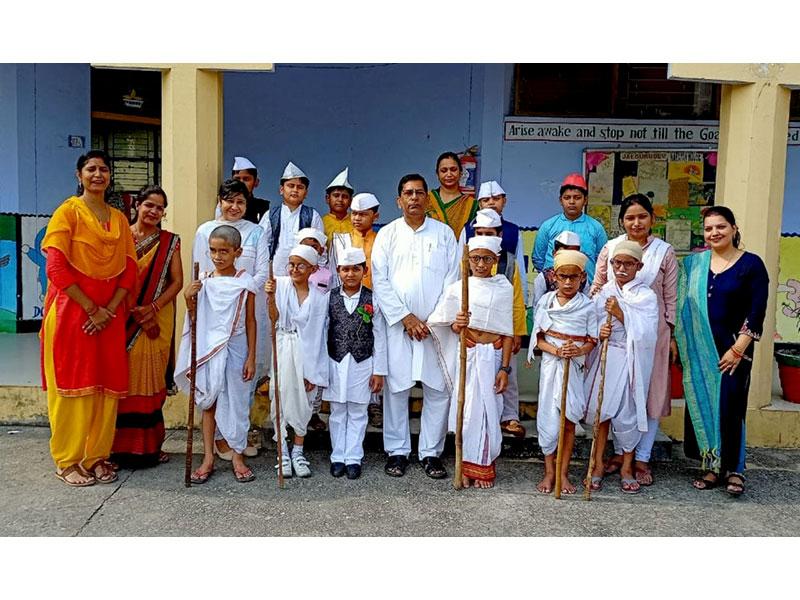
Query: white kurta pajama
(300, 341)
(221, 355)
(576, 318)
(410, 269)
(629, 363)
(348, 390)
(490, 304)
(255, 260)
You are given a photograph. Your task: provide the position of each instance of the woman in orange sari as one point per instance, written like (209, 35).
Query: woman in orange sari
(91, 269)
(140, 422)
(446, 203)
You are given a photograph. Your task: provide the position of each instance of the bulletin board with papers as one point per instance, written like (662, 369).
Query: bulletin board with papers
(679, 183)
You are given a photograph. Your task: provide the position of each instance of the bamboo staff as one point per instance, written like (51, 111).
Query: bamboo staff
(273, 314)
(562, 425)
(587, 490)
(462, 376)
(187, 476)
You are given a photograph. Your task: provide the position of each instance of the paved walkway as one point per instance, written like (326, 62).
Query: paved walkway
(154, 502)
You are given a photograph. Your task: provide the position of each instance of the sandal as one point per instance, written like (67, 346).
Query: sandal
(106, 475)
(433, 467)
(163, 457)
(644, 476)
(733, 488)
(199, 478)
(596, 483)
(513, 427)
(396, 466)
(73, 469)
(245, 476)
(630, 486)
(612, 467)
(703, 484)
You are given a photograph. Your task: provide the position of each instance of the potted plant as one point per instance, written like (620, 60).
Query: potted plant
(788, 359)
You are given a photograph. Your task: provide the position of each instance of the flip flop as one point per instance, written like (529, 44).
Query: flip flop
(244, 477)
(640, 473)
(612, 468)
(630, 486)
(596, 484)
(201, 478)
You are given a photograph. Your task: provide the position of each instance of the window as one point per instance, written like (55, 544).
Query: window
(622, 90)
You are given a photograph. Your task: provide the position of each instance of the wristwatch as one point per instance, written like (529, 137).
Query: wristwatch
(506, 369)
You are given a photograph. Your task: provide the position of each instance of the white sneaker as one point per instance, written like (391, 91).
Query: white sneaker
(287, 467)
(301, 466)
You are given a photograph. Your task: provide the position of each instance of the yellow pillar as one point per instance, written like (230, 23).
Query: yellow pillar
(754, 121)
(191, 127)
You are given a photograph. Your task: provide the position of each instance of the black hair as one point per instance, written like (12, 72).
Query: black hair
(303, 179)
(363, 265)
(564, 188)
(333, 188)
(727, 214)
(452, 155)
(85, 158)
(230, 235)
(232, 187)
(639, 199)
(559, 246)
(142, 195)
(411, 177)
(253, 172)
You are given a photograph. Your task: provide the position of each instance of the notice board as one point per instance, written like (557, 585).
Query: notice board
(679, 183)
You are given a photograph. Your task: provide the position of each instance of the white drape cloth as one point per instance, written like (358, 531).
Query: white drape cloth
(629, 362)
(254, 260)
(221, 354)
(301, 340)
(654, 254)
(577, 317)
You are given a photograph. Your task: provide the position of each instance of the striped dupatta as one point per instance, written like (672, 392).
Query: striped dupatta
(699, 356)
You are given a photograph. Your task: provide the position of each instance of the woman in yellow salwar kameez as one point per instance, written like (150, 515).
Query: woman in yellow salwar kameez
(447, 203)
(91, 268)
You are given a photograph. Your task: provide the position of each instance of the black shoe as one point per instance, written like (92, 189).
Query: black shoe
(337, 469)
(353, 471)
(396, 466)
(434, 467)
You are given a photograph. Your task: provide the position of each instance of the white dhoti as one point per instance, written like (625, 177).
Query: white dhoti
(296, 403)
(482, 439)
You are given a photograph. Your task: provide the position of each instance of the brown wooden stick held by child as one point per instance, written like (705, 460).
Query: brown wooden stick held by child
(559, 451)
(273, 307)
(587, 490)
(462, 377)
(187, 476)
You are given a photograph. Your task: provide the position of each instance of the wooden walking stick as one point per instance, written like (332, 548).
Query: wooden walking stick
(562, 425)
(273, 309)
(462, 376)
(587, 490)
(187, 476)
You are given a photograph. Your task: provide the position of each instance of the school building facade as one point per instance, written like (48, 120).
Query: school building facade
(622, 125)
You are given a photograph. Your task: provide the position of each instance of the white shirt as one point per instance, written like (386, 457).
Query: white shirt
(410, 270)
(290, 225)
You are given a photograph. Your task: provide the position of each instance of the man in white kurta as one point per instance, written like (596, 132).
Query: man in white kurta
(300, 342)
(357, 353)
(414, 258)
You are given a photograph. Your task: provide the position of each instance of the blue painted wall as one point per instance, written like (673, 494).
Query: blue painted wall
(41, 105)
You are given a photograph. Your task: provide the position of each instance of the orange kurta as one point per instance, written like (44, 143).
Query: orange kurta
(366, 242)
(82, 251)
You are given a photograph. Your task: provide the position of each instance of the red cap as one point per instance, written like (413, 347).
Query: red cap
(575, 180)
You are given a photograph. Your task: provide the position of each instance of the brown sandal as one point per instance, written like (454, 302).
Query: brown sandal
(513, 427)
(108, 475)
(73, 469)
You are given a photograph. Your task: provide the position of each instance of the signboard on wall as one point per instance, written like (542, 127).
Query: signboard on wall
(679, 183)
(626, 132)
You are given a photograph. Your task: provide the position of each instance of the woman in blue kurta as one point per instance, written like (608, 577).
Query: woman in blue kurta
(722, 300)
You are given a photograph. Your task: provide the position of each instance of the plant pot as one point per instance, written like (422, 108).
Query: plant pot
(788, 360)
(676, 381)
